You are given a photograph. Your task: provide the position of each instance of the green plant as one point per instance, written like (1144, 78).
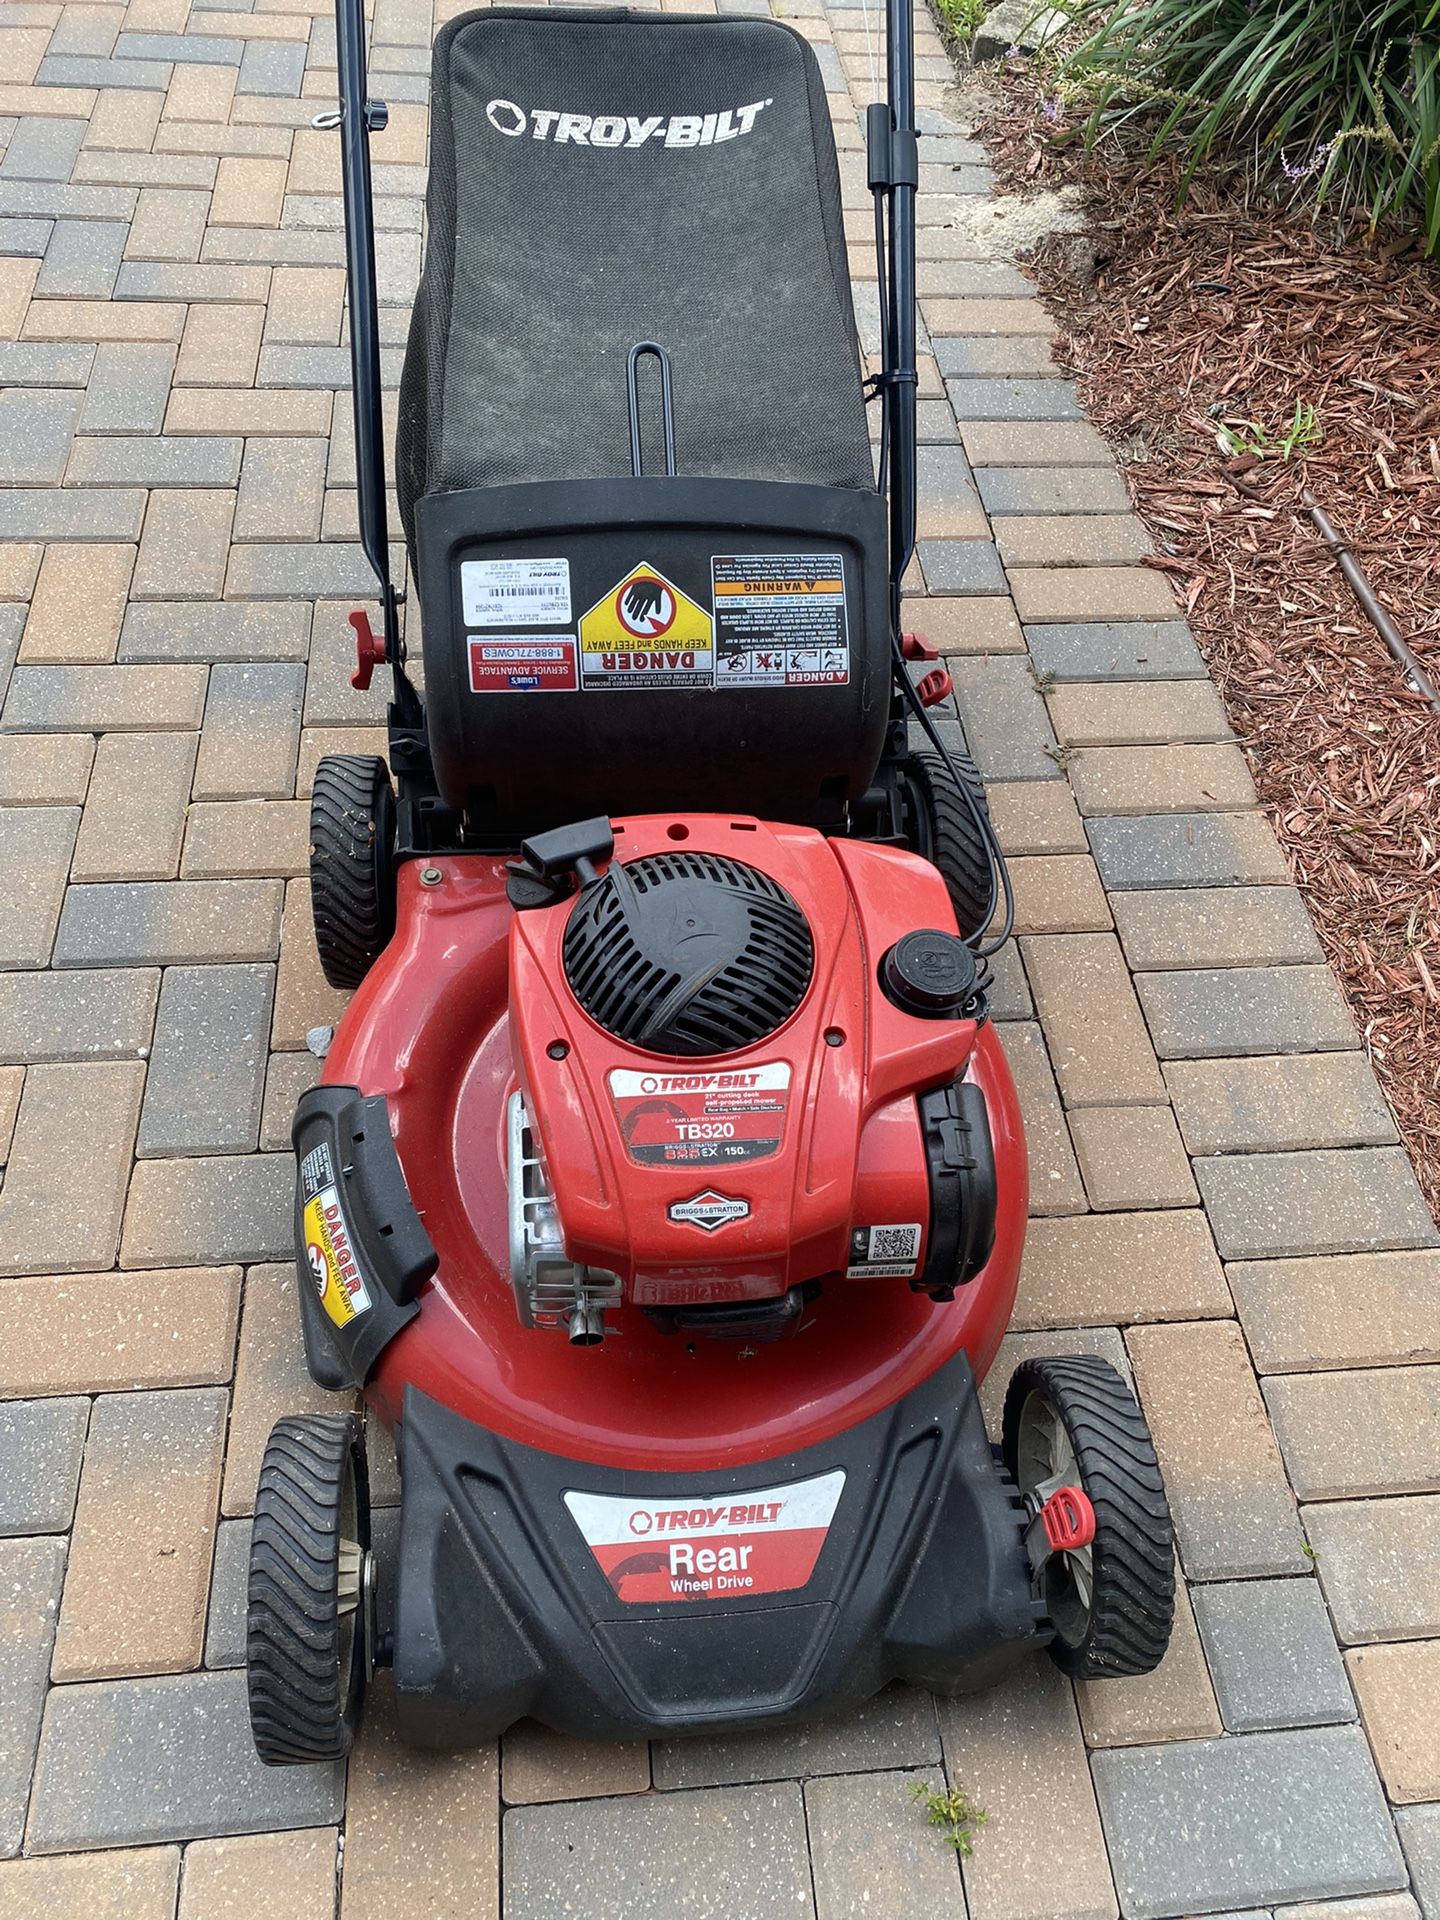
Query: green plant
(960, 18)
(951, 1811)
(1337, 102)
(1249, 436)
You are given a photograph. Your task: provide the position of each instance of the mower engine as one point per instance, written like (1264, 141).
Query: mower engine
(741, 1054)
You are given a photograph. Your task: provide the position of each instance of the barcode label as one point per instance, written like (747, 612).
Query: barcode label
(880, 1252)
(515, 593)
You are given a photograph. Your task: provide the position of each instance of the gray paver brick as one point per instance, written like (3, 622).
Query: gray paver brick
(47, 513)
(1379, 1566)
(1291, 1100)
(1272, 1655)
(82, 259)
(128, 387)
(1004, 717)
(1014, 399)
(225, 1627)
(1115, 650)
(1278, 1816)
(1420, 1836)
(167, 921)
(78, 1016)
(35, 433)
(282, 489)
(1006, 490)
(335, 570)
(45, 363)
(31, 1572)
(35, 846)
(206, 1079)
(235, 1207)
(895, 1729)
(1227, 1011)
(42, 148)
(251, 737)
(124, 699)
(961, 566)
(274, 68)
(1186, 850)
(180, 461)
(40, 1446)
(708, 1856)
(872, 1855)
(204, 631)
(131, 1761)
(1181, 927)
(1273, 1205)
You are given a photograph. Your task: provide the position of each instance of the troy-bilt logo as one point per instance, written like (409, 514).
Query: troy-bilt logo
(709, 1211)
(765, 1541)
(623, 129)
(625, 1085)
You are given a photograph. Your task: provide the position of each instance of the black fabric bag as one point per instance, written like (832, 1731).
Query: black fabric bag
(598, 178)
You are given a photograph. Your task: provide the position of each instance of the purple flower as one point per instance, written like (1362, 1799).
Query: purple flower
(1051, 108)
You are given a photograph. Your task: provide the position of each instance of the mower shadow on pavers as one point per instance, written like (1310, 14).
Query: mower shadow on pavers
(664, 1190)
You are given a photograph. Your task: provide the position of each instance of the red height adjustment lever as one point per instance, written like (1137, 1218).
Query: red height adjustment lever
(369, 650)
(915, 646)
(1068, 1519)
(935, 687)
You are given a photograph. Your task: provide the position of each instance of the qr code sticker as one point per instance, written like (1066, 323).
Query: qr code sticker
(876, 1252)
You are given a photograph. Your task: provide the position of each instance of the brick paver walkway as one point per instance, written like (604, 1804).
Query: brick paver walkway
(1221, 1204)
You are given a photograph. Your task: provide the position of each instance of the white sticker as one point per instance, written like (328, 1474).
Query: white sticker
(880, 1253)
(709, 1210)
(780, 620)
(515, 593)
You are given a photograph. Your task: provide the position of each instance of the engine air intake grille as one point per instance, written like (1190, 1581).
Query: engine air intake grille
(688, 954)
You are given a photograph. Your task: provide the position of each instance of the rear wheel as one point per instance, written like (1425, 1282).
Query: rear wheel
(1074, 1422)
(944, 830)
(310, 1620)
(352, 864)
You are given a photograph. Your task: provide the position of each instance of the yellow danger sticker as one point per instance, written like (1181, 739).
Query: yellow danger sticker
(646, 633)
(343, 1293)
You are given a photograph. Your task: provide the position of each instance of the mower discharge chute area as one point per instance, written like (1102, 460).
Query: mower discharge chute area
(665, 1189)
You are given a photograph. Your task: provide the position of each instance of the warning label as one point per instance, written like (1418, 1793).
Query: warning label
(702, 1119)
(880, 1253)
(766, 1541)
(328, 1248)
(545, 664)
(515, 593)
(780, 620)
(646, 633)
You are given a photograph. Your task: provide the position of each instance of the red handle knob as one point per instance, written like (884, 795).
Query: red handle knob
(369, 650)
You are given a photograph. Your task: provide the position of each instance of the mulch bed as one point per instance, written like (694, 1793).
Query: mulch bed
(1175, 321)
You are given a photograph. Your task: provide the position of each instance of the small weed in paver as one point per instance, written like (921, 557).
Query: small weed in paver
(1063, 754)
(960, 18)
(951, 1811)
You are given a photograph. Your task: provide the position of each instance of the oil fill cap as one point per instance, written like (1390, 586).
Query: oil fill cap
(930, 973)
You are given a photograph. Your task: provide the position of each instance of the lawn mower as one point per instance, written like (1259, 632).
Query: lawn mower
(664, 1190)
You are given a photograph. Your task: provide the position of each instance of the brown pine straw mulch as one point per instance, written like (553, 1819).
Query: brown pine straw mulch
(1173, 321)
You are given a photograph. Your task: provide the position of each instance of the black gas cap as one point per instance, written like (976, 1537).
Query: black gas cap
(929, 973)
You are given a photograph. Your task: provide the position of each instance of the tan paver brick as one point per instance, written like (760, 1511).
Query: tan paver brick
(45, 769)
(1036, 816)
(981, 623)
(1176, 1702)
(12, 1083)
(1349, 1434)
(1106, 1342)
(422, 1831)
(1339, 1310)
(270, 1379)
(302, 998)
(248, 193)
(1137, 713)
(1017, 1750)
(19, 566)
(539, 1764)
(1035, 443)
(139, 1568)
(185, 545)
(1060, 594)
(200, 93)
(314, 163)
(171, 1328)
(1172, 779)
(1100, 1269)
(240, 410)
(1397, 1687)
(131, 1883)
(1058, 893)
(64, 1191)
(1379, 1565)
(969, 317)
(169, 224)
(1288, 1100)
(78, 605)
(17, 281)
(259, 1876)
(1259, 926)
(305, 306)
(1234, 1513)
(221, 346)
(246, 839)
(1055, 1186)
(89, 320)
(1132, 1157)
(1071, 540)
(1097, 1036)
(125, 118)
(134, 819)
(286, 1078)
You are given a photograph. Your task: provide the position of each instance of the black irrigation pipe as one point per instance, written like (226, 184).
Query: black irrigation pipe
(1416, 677)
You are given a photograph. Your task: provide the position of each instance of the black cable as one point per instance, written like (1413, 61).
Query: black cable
(1000, 884)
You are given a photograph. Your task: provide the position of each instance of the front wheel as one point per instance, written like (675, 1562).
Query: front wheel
(1073, 1422)
(310, 1620)
(352, 864)
(944, 828)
